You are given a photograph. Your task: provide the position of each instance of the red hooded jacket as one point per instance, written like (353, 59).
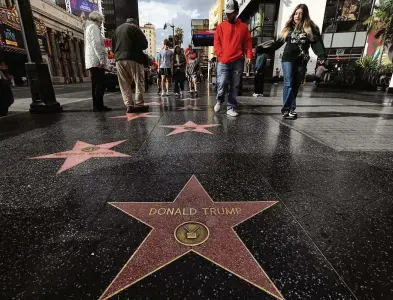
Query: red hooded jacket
(231, 41)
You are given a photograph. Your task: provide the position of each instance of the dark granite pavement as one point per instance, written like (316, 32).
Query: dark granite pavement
(329, 236)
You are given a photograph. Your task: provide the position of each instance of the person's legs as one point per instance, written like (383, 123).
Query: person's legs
(235, 75)
(163, 79)
(168, 79)
(94, 79)
(101, 87)
(196, 84)
(138, 72)
(288, 96)
(176, 77)
(125, 81)
(222, 81)
(181, 82)
(299, 72)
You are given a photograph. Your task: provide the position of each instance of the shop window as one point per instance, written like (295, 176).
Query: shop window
(365, 10)
(343, 39)
(348, 26)
(331, 10)
(348, 10)
(329, 27)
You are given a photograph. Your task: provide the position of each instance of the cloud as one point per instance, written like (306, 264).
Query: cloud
(175, 12)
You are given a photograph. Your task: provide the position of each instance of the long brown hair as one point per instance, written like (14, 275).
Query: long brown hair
(306, 23)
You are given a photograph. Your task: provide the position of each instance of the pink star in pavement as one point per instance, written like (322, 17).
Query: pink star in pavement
(154, 103)
(83, 151)
(189, 107)
(185, 99)
(190, 126)
(133, 116)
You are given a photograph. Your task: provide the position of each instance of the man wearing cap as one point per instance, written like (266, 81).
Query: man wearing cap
(129, 43)
(232, 41)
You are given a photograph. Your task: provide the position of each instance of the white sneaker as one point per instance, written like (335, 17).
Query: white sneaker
(181, 93)
(232, 112)
(167, 93)
(162, 94)
(255, 95)
(217, 107)
(177, 94)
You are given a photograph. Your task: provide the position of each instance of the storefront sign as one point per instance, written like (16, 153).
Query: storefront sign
(82, 8)
(10, 36)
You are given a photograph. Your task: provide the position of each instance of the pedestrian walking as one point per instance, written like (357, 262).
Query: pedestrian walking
(299, 33)
(276, 77)
(166, 65)
(130, 42)
(179, 69)
(96, 60)
(192, 72)
(232, 40)
(259, 75)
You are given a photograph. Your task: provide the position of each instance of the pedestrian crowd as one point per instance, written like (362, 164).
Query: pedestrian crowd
(232, 47)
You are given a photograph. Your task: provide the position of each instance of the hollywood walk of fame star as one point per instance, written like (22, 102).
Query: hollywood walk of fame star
(185, 99)
(83, 151)
(154, 103)
(189, 107)
(133, 116)
(192, 223)
(190, 126)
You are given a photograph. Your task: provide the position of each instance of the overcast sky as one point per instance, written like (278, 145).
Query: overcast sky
(175, 12)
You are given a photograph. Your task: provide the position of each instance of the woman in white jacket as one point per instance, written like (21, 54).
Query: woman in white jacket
(95, 59)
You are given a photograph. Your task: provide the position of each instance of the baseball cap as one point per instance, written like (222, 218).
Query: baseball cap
(231, 6)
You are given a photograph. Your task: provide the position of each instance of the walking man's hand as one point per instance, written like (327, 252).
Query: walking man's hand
(248, 61)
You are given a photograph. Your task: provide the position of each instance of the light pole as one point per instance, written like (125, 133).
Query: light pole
(173, 30)
(42, 92)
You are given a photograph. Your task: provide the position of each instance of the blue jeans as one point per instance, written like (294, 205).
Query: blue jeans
(294, 73)
(229, 75)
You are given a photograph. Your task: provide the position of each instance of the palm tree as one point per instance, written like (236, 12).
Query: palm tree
(381, 23)
(179, 35)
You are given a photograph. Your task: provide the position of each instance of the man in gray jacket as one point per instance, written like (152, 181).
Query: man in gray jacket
(129, 43)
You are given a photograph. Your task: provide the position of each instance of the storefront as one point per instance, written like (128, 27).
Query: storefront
(61, 45)
(261, 19)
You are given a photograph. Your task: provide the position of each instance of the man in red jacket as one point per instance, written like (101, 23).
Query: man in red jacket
(231, 41)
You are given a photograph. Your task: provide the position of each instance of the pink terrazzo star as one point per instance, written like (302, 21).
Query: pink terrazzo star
(83, 151)
(185, 99)
(190, 126)
(189, 107)
(222, 246)
(154, 103)
(133, 116)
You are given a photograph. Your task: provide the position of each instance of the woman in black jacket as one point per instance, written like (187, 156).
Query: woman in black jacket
(179, 70)
(299, 33)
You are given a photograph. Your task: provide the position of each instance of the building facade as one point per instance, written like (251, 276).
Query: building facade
(60, 36)
(150, 32)
(340, 22)
(215, 18)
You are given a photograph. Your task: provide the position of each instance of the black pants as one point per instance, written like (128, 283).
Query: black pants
(258, 83)
(179, 78)
(98, 87)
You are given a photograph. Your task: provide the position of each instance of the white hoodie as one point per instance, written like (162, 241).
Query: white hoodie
(95, 52)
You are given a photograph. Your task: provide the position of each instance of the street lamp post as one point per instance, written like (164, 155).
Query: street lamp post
(42, 92)
(173, 30)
